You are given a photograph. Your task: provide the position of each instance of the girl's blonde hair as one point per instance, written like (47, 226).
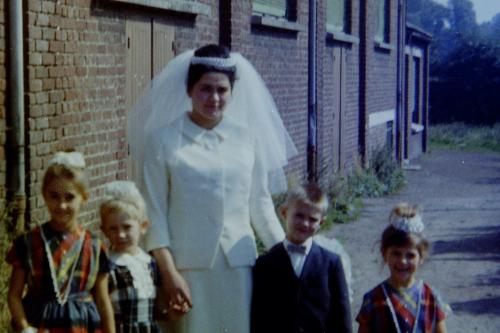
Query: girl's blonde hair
(123, 196)
(408, 235)
(69, 165)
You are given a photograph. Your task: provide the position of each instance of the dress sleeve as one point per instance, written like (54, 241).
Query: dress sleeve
(105, 265)
(17, 254)
(262, 212)
(156, 189)
(443, 309)
(156, 273)
(366, 310)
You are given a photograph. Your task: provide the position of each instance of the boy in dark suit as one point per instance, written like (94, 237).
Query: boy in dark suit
(298, 285)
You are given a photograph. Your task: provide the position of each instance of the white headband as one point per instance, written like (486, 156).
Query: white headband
(214, 62)
(412, 224)
(73, 159)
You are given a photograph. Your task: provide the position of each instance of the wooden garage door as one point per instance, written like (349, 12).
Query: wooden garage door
(149, 49)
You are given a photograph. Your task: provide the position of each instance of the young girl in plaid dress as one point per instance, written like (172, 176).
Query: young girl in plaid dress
(402, 304)
(134, 278)
(63, 265)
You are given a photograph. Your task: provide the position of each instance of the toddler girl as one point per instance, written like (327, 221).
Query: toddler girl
(134, 278)
(401, 303)
(63, 265)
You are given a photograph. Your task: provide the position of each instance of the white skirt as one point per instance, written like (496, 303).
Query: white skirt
(221, 299)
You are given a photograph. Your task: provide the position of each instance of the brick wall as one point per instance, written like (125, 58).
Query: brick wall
(75, 93)
(76, 81)
(351, 103)
(352, 92)
(280, 56)
(381, 71)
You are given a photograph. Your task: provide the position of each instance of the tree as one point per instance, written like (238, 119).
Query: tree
(466, 88)
(463, 18)
(490, 31)
(465, 61)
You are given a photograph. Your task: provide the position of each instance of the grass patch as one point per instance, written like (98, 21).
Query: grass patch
(465, 137)
(6, 237)
(383, 176)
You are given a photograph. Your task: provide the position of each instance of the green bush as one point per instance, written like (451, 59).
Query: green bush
(345, 204)
(465, 137)
(383, 176)
(387, 171)
(6, 235)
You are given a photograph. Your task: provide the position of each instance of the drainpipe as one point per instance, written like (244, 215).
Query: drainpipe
(363, 58)
(15, 181)
(400, 82)
(225, 27)
(312, 120)
(425, 106)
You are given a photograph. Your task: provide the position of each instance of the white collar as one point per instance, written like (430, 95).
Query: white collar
(124, 258)
(223, 129)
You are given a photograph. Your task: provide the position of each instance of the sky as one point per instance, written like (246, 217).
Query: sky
(485, 9)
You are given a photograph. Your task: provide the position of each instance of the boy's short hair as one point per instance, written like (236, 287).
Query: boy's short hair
(308, 193)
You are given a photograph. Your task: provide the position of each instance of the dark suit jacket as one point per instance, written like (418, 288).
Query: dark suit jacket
(316, 302)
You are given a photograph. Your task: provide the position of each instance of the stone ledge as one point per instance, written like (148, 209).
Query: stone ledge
(278, 23)
(190, 7)
(384, 46)
(338, 36)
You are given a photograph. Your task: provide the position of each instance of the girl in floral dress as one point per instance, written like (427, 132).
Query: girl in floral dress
(403, 304)
(63, 265)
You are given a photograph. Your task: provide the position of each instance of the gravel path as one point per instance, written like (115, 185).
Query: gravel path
(460, 196)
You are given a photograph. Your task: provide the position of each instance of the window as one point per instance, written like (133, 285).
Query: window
(276, 14)
(337, 18)
(390, 135)
(271, 7)
(182, 6)
(415, 118)
(382, 32)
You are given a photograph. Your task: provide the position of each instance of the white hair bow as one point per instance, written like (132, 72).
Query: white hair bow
(412, 224)
(72, 159)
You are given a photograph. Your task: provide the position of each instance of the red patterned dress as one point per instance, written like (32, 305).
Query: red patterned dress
(77, 259)
(386, 309)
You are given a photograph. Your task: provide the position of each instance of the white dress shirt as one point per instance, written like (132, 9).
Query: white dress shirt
(298, 259)
(205, 189)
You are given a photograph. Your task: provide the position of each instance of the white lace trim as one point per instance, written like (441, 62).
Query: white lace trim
(138, 265)
(62, 298)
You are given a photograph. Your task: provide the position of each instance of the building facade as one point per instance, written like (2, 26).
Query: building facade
(84, 63)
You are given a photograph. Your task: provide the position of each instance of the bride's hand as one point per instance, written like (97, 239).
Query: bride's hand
(176, 290)
(178, 295)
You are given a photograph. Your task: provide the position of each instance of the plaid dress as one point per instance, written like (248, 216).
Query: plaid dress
(132, 286)
(79, 314)
(376, 314)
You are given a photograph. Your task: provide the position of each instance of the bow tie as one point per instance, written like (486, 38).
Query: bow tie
(299, 249)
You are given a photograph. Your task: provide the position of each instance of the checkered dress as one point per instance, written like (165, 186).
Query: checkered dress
(132, 286)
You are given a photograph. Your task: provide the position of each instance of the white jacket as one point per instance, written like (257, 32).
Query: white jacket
(204, 188)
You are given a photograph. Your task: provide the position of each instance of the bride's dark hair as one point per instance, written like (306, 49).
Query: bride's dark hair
(196, 71)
